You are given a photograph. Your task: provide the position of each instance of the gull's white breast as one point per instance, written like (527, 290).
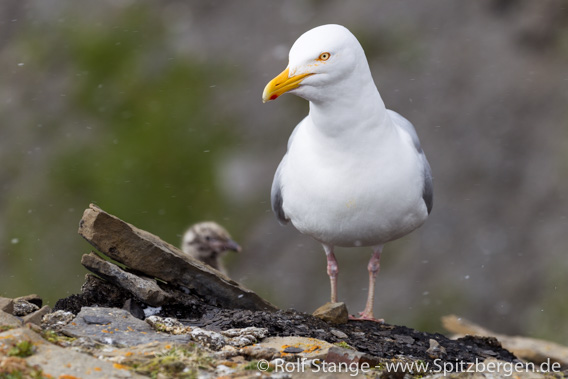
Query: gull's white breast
(363, 188)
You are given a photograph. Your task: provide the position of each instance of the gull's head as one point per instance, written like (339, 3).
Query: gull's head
(323, 57)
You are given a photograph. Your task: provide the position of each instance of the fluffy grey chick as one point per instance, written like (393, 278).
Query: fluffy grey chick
(208, 242)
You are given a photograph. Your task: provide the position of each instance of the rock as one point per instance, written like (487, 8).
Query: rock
(117, 327)
(97, 320)
(258, 352)
(309, 348)
(222, 371)
(144, 289)
(245, 336)
(33, 298)
(6, 305)
(9, 320)
(134, 353)
(208, 338)
(167, 325)
(341, 355)
(24, 307)
(146, 253)
(36, 317)
(404, 339)
(333, 313)
(436, 350)
(58, 362)
(339, 334)
(213, 340)
(293, 350)
(531, 349)
(56, 320)
(134, 308)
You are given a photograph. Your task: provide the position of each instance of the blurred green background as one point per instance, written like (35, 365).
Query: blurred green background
(152, 111)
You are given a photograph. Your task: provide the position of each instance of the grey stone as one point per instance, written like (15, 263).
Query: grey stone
(7, 319)
(6, 305)
(24, 307)
(260, 352)
(96, 320)
(58, 362)
(122, 330)
(211, 339)
(168, 325)
(144, 289)
(293, 350)
(245, 336)
(208, 338)
(33, 298)
(435, 350)
(134, 308)
(341, 355)
(56, 320)
(36, 317)
(404, 339)
(146, 253)
(333, 313)
(339, 334)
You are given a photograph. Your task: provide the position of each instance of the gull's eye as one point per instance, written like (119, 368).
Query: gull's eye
(324, 56)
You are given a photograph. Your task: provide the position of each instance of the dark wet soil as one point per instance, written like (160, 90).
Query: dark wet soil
(381, 340)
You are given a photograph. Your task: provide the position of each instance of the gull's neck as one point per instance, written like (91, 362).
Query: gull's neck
(361, 109)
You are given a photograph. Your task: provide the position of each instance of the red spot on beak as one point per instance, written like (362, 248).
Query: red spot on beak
(273, 97)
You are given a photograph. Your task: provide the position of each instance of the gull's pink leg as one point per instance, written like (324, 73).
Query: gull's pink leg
(373, 267)
(332, 271)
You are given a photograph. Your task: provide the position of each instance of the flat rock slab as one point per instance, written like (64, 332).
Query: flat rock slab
(309, 348)
(58, 362)
(146, 253)
(117, 327)
(144, 289)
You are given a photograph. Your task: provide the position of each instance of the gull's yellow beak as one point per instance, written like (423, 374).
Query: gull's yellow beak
(282, 84)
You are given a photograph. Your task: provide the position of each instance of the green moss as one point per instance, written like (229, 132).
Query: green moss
(12, 375)
(4, 328)
(56, 338)
(22, 349)
(344, 345)
(28, 373)
(177, 362)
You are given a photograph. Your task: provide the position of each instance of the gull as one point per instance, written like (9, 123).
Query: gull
(354, 173)
(208, 242)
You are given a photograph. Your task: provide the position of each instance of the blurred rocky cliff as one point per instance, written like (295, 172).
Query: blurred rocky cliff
(153, 111)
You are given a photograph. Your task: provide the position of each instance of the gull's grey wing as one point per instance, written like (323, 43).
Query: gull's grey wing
(276, 192)
(407, 127)
(276, 195)
(428, 189)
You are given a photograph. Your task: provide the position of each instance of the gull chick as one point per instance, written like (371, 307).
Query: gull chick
(208, 242)
(354, 173)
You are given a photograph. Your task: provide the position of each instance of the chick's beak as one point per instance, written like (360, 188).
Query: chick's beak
(223, 244)
(232, 245)
(282, 84)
